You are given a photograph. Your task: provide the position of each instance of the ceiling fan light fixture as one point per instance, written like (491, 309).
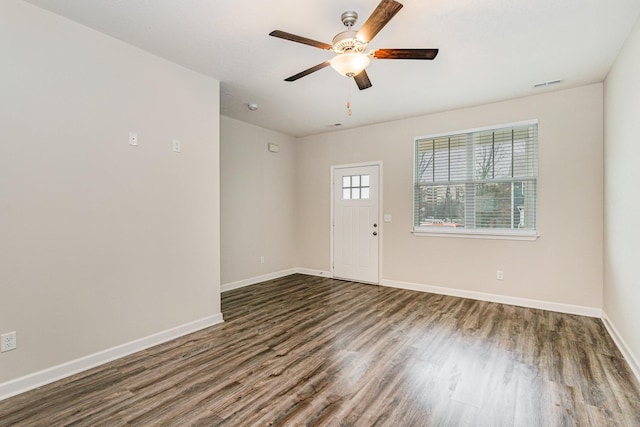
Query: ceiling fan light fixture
(350, 64)
(350, 46)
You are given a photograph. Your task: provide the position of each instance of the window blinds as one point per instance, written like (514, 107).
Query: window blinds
(478, 180)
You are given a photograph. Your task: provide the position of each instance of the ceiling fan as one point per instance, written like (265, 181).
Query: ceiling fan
(351, 60)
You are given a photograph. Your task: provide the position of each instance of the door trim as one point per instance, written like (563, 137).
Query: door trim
(332, 207)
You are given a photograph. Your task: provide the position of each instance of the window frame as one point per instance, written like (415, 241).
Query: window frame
(475, 233)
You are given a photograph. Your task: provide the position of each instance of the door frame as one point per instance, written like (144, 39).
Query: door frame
(332, 212)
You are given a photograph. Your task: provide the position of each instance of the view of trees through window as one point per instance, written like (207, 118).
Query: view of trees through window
(477, 180)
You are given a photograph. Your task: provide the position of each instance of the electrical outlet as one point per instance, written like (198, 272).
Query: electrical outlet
(177, 145)
(8, 342)
(499, 275)
(262, 259)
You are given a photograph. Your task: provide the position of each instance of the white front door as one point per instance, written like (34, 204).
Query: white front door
(356, 226)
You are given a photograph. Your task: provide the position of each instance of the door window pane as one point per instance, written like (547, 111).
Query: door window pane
(355, 187)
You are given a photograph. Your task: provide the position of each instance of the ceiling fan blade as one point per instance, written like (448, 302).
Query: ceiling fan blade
(300, 39)
(405, 53)
(362, 80)
(307, 72)
(386, 10)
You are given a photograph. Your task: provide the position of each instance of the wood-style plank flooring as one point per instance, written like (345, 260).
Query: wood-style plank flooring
(306, 350)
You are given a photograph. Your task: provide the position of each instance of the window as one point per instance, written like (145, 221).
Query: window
(355, 187)
(480, 182)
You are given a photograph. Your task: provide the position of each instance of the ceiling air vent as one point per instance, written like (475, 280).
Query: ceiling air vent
(549, 83)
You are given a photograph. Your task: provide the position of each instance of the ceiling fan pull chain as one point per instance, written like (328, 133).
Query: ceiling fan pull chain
(349, 97)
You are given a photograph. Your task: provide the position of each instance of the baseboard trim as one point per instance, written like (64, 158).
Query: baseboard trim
(312, 272)
(271, 276)
(503, 299)
(257, 279)
(64, 370)
(631, 359)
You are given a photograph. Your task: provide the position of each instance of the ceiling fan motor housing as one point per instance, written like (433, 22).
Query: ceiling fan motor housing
(346, 42)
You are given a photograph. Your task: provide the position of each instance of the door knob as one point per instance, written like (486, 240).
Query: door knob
(375, 233)
(375, 225)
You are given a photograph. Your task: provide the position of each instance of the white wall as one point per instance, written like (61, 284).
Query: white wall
(101, 243)
(563, 266)
(257, 201)
(622, 205)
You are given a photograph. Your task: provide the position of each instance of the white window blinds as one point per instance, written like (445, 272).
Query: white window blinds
(480, 181)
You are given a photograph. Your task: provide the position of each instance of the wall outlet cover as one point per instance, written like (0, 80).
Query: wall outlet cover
(8, 342)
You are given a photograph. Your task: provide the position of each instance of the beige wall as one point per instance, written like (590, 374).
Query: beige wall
(257, 201)
(622, 206)
(563, 266)
(101, 243)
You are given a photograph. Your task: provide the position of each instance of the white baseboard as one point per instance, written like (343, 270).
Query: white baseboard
(503, 299)
(270, 276)
(257, 279)
(631, 359)
(55, 373)
(312, 272)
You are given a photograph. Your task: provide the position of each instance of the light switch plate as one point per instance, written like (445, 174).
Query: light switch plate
(274, 148)
(133, 138)
(387, 217)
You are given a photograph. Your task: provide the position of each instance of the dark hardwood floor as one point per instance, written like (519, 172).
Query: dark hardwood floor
(306, 350)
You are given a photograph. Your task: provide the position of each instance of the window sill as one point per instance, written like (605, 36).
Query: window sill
(468, 234)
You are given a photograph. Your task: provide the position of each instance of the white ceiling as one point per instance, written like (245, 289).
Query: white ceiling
(490, 50)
